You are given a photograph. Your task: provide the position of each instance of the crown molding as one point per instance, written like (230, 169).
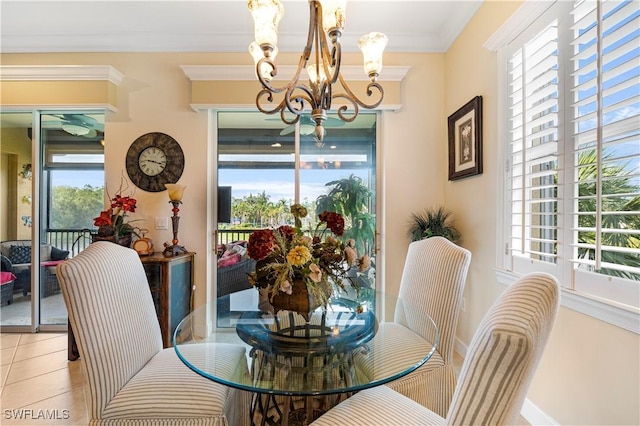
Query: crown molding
(87, 108)
(235, 107)
(521, 19)
(248, 72)
(60, 72)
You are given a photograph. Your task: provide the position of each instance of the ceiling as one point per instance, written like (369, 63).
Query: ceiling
(28, 26)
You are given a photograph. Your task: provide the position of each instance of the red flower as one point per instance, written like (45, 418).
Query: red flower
(104, 219)
(261, 243)
(287, 231)
(334, 221)
(127, 204)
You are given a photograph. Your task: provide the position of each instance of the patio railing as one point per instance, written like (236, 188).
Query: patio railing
(226, 236)
(74, 240)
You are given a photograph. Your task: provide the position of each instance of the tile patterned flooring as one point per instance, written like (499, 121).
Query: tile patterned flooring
(38, 383)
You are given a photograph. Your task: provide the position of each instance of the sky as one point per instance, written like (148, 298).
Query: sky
(278, 184)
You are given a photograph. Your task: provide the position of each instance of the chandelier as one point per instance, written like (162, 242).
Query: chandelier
(321, 58)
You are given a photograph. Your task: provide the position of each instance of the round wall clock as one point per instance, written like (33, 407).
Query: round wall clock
(153, 160)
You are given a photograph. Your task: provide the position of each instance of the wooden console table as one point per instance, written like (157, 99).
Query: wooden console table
(171, 281)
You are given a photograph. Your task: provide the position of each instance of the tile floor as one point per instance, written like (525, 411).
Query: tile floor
(38, 383)
(52, 310)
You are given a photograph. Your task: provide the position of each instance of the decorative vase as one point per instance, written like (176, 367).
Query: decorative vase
(300, 300)
(124, 240)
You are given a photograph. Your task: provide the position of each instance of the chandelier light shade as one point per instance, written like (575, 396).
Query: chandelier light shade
(266, 15)
(372, 45)
(321, 58)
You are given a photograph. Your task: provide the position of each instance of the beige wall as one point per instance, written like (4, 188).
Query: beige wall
(155, 96)
(16, 146)
(590, 371)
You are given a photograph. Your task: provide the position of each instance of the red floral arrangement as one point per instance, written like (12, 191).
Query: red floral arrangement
(111, 222)
(286, 256)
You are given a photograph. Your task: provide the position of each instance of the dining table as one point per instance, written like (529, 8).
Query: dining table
(296, 369)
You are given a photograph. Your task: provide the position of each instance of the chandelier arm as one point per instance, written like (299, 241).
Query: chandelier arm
(327, 96)
(292, 96)
(284, 119)
(278, 108)
(369, 91)
(331, 60)
(274, 71)
(336, 61)
(345, 108)
(292, 84)
(260, 98)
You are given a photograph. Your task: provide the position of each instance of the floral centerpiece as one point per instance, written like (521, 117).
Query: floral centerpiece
(112, 223)
(299, 271)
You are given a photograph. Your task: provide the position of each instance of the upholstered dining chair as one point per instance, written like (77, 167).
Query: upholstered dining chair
(431, 288)
(495, 376)
(129, 378)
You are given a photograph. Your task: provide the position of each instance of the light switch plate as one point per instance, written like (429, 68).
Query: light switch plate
(162, 223)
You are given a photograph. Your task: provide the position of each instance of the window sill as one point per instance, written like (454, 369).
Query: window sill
(621, 316)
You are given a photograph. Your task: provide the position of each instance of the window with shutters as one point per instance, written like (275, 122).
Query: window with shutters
(572, 183)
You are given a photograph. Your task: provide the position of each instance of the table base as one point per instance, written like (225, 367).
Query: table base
(275, 410)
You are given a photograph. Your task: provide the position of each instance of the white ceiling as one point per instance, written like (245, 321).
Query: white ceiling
(28, 26)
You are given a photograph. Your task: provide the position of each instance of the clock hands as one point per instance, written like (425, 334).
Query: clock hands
(154, 161)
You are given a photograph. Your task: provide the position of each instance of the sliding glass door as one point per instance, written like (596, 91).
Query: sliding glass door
(52, 181)
(264, 166)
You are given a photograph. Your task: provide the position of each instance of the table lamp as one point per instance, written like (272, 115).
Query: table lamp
(175, 198)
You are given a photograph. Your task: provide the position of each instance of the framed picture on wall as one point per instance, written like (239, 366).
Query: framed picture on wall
(465, 140)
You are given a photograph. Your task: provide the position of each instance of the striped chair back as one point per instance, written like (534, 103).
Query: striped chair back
(432, 285)
(113, 317)
(505, 352)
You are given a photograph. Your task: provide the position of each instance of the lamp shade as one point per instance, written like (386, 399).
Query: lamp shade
(372, 46)
(266, 17)
(175, 191)
(333, 14)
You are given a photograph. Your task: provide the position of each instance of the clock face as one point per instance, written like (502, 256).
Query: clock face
(153, 160)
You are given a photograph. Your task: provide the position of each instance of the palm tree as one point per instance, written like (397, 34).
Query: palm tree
(615, 180)
(351, 198)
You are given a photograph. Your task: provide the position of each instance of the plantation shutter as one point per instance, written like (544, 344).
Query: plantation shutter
(605, 87)
(533, 153)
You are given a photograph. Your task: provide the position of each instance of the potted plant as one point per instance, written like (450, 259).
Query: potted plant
(351, 198)
(433, 222)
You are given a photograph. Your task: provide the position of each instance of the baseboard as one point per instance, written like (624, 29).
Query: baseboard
(460, 347)
(534, 415)
(530, 412)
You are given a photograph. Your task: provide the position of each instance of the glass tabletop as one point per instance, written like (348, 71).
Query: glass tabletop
(337, 351)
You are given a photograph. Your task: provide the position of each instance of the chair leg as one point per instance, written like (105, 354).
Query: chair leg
(72, 347)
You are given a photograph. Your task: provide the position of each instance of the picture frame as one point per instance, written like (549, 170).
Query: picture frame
(465, 140)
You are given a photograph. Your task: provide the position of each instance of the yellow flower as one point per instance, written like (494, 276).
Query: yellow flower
(299, 255)
(316, 273)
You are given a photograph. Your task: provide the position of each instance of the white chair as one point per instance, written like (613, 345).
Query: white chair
(432, 286)
(130, 379)
(502, 358)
